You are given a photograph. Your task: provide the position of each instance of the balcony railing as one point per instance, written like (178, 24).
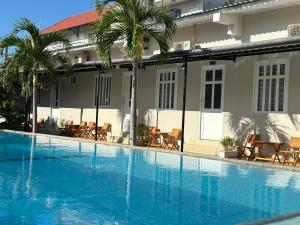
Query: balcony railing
(74, 44)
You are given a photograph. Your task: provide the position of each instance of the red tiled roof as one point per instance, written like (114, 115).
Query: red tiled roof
(73, 21)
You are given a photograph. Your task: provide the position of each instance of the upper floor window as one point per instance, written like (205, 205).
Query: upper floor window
(166, 88)
(104, 92)
(272, 86)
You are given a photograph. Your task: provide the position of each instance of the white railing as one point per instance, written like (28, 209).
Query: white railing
(74, 44)
(77, 43)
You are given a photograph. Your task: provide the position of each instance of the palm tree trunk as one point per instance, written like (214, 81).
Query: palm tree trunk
(34, 106)
(27, 112)
(133, 108)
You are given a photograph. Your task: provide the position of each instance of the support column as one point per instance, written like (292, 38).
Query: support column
(97, 104)
(183, 105)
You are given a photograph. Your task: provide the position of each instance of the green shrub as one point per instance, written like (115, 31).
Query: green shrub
(141, 130)
(14, 117)
(228, 143)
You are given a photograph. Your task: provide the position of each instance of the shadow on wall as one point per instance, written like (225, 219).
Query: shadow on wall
(149, 119)
(270, 128)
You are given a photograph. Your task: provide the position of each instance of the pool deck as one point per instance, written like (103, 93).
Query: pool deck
(286, 219)
(266, 165)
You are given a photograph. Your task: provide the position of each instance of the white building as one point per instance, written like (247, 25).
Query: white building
(243, 74)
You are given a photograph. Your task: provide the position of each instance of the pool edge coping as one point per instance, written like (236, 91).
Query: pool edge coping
(274, 219)
(141, 148)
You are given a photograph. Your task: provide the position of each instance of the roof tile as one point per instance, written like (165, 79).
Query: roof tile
(73, 21)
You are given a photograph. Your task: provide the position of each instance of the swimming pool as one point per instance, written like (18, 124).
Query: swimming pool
(54, 181)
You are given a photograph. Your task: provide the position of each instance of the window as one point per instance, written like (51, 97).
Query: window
(166, 87)
(104, 92)
(272, 86)
(73, 80)
(213, 88)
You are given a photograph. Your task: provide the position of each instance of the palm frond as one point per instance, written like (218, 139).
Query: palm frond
(131, 21)
(30, 56)
(25, 24)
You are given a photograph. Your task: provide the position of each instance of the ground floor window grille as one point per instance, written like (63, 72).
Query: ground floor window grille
(104, 92)
(166, 89)
(272, 86)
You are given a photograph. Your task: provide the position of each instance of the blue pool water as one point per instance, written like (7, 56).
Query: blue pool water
(51, 181)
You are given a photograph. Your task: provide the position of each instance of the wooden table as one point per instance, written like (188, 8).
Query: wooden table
(157, 139)
(276, 147)
(91, 132)
(69, 129)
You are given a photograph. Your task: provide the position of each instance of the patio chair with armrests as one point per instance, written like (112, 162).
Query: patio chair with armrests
(149, 137)
(67, 130)
(88, 131)
(41, 122)
(170, 141)
(249, 145)
(291, 154)
(79, 130)
(102, 132)
(154, 138)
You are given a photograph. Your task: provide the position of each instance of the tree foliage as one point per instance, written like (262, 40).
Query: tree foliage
(11, 109)
(30, 55)
(30, 59)
(131, 21)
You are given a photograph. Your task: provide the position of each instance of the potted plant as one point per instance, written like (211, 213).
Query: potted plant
(61, 123)
(229, 148)
(141, 132)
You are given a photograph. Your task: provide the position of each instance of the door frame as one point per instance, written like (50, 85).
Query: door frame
(202, 94)
(55, 92)
(125, 74)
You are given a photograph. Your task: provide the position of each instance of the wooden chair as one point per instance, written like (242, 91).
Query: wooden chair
(102, 132)
(78, 131)
(68, 130)
(249, 145)
(149, 136)
(88, 130)
(291, 154)
(154, 138)
(170, 141)
(40, 122)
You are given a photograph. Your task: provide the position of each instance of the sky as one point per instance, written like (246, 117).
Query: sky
(43, 12)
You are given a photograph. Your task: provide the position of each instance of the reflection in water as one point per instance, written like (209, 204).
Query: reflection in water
(188, 163)
(94, 184)
(32, 146)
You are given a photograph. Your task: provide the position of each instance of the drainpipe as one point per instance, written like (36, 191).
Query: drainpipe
(97, 104)
(183, 104)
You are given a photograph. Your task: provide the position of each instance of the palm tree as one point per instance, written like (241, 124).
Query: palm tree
(31, 59)
(131, 21)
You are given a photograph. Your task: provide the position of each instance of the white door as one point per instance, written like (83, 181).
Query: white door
(126, 101)
(55, 102)
(212, 103)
